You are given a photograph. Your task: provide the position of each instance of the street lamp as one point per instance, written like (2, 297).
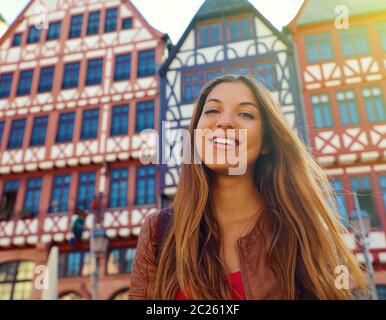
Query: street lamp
(361, 225)
(100, 241)
(98, 245)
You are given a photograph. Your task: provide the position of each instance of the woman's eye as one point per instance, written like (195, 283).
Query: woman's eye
(248, 115)
(211, 111)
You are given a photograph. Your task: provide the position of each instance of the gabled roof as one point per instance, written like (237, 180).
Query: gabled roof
(315, 11)
(212, 8)
(15, 23)
(217, 8)
(132, 7)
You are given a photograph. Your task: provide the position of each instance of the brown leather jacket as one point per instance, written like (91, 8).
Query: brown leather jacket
(257, 278)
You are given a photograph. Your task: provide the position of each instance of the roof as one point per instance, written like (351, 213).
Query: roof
(213, 7)
(315, 11)
(20, 17)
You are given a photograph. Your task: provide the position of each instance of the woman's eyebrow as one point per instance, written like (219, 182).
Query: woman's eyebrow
(214, 100)
(244, 103)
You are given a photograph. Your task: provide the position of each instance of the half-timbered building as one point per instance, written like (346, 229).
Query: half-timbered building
(78, 83)
(341, 49)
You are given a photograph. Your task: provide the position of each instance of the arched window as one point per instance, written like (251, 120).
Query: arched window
(121, 295)
(120, 260)
(16, 280)
(71, 296)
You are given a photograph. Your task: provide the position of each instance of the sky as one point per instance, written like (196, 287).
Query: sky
(176, 14)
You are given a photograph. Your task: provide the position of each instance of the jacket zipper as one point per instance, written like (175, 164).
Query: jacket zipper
(246, 288)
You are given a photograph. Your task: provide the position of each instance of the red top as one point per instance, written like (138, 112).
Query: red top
(237, 286)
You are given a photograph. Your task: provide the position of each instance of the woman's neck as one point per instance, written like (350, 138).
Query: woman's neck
(235, 198)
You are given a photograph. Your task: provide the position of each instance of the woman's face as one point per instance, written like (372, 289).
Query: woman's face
(229, 108)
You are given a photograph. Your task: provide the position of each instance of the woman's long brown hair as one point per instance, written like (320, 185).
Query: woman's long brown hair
(305, 241)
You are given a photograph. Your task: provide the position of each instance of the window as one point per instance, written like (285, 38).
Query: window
(74, 264)
(94, 72)
(17, 40)
(71, 75)
(16, 136)
(340, 200)
(145, 185)
(127, 23)
(213, 74)
(375, 105)
(25, 83)
(321, 110)
(241, 29)
(145, 115)
(8, 199)
(32, 195)
(111, 20)
(33, 35)
(319, 47)
(5, 84)
(381, 290)
(65, 127)
(120, 120)
(76, 26)
(59, 196)
(86, 190)
(209, 35)
(241, 70)
(191, 85)
(93, 23)
(121, 295)
(382, 183)
(122, 67)
(1, 131)
(39, 129)
(16, 280)
(146, 63)
(118, 188)
(54, 30)
(192, 82)
(120, 261)
(348, 108)
(265, 74)
(90, 124)
(46, 79)
(382, 33)
(362, 186)
(71, 296)
(354, 41)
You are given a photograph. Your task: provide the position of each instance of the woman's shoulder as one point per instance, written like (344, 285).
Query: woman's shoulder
(154, 216)
(150, 226)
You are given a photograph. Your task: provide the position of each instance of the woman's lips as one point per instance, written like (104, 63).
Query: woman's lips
(223, 143)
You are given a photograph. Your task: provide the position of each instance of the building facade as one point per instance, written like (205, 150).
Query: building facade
(78, 84)
(341, 50)
(224, 36)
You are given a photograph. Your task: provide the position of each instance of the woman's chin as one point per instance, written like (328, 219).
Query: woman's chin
(223, 169)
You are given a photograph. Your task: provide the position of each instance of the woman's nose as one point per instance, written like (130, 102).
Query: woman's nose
(225, 120)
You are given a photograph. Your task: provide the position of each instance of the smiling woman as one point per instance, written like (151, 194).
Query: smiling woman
(269, 233)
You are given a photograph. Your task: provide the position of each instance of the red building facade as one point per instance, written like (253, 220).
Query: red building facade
(74, 97)
(341, 49)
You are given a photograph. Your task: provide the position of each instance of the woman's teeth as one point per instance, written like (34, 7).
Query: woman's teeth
(224, 141)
